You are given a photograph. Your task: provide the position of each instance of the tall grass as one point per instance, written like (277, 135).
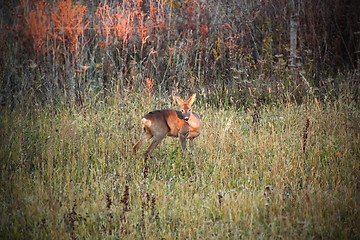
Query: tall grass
(70, 173)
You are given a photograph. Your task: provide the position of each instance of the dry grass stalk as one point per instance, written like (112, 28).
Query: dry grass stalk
(305, 134)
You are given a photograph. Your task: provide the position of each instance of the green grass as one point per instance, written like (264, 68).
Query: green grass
(64, 174)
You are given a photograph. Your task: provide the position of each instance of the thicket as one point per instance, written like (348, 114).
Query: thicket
(237, 52)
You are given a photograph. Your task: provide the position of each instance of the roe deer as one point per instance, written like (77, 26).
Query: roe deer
(158, 124)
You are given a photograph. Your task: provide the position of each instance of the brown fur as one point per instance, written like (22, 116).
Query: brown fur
(158, 124)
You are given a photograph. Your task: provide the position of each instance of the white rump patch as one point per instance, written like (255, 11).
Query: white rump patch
(146, 122)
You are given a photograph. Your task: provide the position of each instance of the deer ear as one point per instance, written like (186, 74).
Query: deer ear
(191, 100)
(179, 100)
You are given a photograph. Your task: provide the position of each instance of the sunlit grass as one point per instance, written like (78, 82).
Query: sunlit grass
(65, 171)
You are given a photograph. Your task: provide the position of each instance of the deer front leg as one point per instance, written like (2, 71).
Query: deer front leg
(184, 133)
(183, 139)
(183, 142)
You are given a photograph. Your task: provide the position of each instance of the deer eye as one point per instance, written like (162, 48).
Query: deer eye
(182, 110)
(190, 110)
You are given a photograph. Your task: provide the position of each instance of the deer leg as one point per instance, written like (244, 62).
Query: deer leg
(146, 136)
(153, 145)
(183, 142)
(183, 134)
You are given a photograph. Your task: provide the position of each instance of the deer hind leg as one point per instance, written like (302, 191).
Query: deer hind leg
(155, 142)
(146, 136)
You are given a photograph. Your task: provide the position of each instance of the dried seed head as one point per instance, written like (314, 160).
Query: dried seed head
(305, 135)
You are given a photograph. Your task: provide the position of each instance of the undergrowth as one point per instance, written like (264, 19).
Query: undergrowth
(288, 171)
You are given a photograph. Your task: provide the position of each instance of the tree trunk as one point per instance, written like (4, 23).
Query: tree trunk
(294, 25)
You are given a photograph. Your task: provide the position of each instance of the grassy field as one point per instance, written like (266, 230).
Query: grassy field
(69, 173)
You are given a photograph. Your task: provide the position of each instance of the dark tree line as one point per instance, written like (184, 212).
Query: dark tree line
(237, 50)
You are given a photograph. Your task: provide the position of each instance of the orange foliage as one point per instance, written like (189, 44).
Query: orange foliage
(204, 29)
(101, 44)
(69, 23)
(140, 18)
(148, 86)
(64, 21)
(157, 13)
(114, 22)
(38, 22)
(123, 26)
(128, 20)
(102, 16)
